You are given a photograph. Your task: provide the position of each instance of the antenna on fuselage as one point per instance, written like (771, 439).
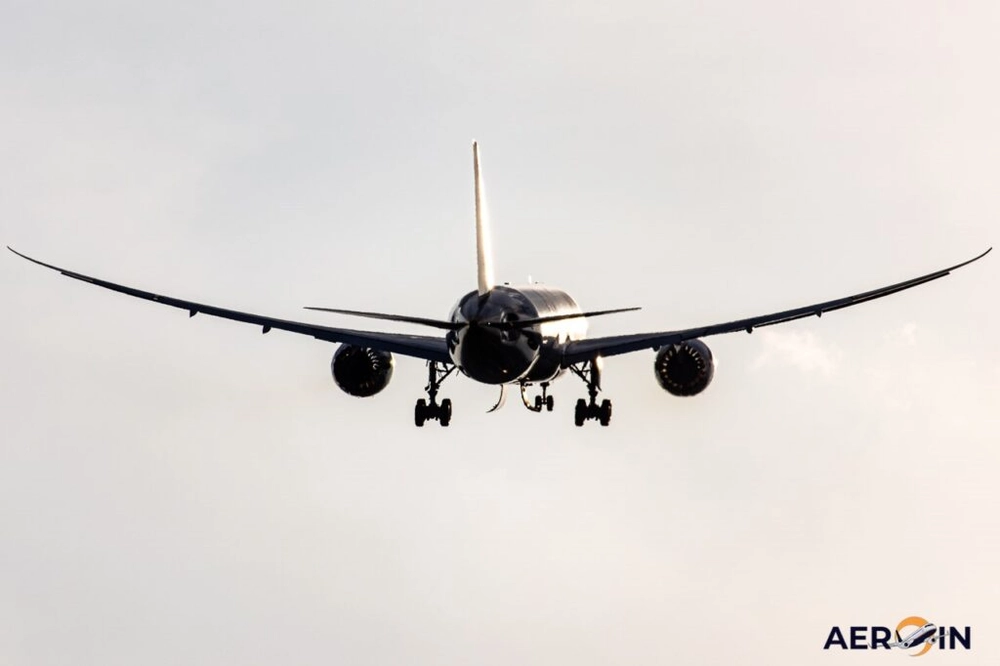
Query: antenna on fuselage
(484, 255)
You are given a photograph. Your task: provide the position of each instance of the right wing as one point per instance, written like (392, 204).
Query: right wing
(585, 350)
(419, 346)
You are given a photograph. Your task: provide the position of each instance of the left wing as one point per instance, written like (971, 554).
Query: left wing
(585, 350)
(419, 346)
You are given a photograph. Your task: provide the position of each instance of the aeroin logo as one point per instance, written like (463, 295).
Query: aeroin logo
(914, 635)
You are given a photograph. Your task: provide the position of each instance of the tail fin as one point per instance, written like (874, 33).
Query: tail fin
(484, 256)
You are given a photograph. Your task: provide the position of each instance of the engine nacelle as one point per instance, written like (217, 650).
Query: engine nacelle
(684, 369)
(360, 371)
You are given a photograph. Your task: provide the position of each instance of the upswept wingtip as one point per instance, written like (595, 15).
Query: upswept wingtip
(34, 261)
(976, 258)
(23, 256)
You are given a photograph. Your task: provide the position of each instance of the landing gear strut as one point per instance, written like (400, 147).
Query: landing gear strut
(590, 410)
(543, 400)
(428, 411)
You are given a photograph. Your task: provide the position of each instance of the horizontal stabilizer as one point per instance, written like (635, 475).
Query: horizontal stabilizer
(422, 321)
(518, 324)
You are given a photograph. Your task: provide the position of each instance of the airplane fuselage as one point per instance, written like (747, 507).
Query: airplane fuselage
(494, 355)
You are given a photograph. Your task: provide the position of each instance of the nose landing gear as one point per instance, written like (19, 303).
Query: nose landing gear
(590, 410)
(544, 400)
(432, 411)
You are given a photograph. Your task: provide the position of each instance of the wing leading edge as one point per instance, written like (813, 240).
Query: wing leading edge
(585, 350)
(419, 346)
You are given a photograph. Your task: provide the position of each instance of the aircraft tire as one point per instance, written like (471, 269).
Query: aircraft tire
(605, 414)
(420, 413)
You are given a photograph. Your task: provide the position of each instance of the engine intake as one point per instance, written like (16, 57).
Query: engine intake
(684, 369)
(360, 371)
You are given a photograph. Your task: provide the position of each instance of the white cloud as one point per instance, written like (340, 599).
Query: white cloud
(905, 334)
(803, 350)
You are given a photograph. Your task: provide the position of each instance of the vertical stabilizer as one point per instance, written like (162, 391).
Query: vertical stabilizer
(484, 255)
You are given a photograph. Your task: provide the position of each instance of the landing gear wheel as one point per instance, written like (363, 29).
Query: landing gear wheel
(586, 410)
(538, 403)
(580, 414)
(430, 410)
(420, 413)
(604, 415)
(548, 403)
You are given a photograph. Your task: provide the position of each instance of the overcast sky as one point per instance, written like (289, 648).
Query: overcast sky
(190, 491)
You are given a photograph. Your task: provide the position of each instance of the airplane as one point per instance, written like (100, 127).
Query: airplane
(510, 336)
(924, 634)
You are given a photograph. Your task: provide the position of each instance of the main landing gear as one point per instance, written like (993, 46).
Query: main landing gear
(425, 411)
(587, 411)
(543, 400)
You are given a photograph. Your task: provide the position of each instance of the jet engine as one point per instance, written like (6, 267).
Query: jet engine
(684, 369)
(360, 371)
